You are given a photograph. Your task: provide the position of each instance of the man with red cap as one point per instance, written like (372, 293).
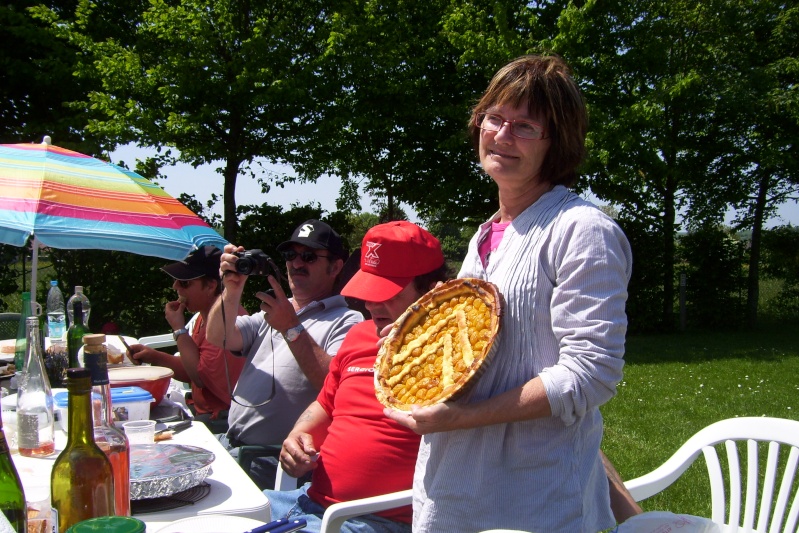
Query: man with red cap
(343, 436)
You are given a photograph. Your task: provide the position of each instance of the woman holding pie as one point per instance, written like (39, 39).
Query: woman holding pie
(520, 450)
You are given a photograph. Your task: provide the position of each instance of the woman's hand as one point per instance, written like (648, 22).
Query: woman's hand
(445, 416)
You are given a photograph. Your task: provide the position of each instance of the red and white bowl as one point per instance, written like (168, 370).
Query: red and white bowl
(153, 379)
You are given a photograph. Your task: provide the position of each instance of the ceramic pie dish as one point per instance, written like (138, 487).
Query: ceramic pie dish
(439, 346)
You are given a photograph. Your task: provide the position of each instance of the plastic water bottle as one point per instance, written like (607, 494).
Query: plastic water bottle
(78, 296)
(56, 312)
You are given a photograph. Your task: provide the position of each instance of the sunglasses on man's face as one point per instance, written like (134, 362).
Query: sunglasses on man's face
(307, 256)
(185, 283)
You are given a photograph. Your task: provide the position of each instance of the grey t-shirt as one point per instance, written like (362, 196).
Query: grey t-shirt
(327, 321)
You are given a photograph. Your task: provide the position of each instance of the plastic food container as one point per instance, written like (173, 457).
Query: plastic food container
(128, 403)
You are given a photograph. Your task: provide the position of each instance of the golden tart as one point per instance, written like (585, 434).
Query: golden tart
(438, 346)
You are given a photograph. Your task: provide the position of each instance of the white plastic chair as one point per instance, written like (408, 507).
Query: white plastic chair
(158, 341)
(338, 513)
(757, 498)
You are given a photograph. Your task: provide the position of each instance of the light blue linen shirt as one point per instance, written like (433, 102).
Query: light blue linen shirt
(562, 267)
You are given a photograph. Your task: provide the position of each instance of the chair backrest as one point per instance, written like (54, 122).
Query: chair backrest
(8, 325)
(765, 498)
(158, 341)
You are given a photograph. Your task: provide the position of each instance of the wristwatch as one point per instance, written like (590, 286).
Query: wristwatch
(178, 332)
(292, 333)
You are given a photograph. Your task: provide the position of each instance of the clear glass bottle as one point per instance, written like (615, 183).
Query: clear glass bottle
(79, 296)
(35, 422)
(82, 480)
(13, 510)
(108, 437)
(75, 333)
(56, 312)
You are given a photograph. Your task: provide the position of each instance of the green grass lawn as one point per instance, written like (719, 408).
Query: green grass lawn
(674, 385)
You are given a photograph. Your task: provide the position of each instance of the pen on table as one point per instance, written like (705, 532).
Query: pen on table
(279, 526)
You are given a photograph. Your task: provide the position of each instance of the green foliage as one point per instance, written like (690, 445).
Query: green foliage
(8, 274)
(125, 289)
(781, 261)
(712, 260)
(645, 290)
(219, 80)
(36, 78)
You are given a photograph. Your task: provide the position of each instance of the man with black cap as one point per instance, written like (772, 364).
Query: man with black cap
(196, 280)
(288, 345)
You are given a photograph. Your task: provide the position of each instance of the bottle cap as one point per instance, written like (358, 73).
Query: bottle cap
(78, 288)
(94, 338)
(109, 524)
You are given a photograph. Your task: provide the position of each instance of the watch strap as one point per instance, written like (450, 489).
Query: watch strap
(292, 334)
(178, 332)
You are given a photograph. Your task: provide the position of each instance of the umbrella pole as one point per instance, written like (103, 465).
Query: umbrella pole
(34, 272)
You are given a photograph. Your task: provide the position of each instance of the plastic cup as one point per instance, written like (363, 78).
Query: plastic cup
(140, 431)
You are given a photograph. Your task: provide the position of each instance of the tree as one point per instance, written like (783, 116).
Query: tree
(393, 117)
(655, 74)
(219, 80)
(36, 80)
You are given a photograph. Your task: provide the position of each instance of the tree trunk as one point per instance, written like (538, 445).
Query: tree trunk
(231, 221)
(669, 216)
(753, 280)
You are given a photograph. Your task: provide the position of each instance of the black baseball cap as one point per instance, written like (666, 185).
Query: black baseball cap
(315, 234)
(202, 262)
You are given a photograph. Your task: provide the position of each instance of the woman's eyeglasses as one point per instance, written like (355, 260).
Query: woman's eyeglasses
(307, 256)
(523, 129)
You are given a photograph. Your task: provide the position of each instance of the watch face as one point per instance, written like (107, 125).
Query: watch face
(294, 332)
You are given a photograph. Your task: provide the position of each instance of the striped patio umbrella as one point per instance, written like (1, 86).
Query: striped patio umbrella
(68, 200)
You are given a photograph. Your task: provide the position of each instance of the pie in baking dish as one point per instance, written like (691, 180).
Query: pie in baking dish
(438, 346)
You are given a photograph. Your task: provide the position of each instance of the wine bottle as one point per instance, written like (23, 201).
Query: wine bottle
(75, 334)
(108, 437)
(14, 513)
(82, 480)
(35, 422)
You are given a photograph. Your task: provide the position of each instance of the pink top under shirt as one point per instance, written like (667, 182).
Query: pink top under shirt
(492, 240)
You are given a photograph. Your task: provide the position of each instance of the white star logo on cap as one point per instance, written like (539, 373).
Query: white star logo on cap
(305, 230)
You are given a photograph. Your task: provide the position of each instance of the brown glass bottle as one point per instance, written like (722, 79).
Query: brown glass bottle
(109, 438)
(82, 481)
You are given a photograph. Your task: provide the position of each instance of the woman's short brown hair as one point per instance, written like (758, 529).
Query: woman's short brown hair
(546, 84)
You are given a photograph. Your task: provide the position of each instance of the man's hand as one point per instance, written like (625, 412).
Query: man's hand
(298, 455)
(143, 354)
(231, 279)
(175, 314)
(278, 310)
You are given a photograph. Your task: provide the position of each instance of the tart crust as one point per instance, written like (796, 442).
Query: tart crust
(439, 346)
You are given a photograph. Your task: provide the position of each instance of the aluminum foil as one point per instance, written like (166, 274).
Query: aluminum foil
(158, 470)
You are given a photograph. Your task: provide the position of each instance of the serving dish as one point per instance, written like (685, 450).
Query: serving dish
(153, 379)
(158, 470)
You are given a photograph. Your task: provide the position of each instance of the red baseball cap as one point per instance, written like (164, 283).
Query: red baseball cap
(392, 255)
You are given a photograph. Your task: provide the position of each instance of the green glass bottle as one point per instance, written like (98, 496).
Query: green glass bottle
(75, 334)
(22, 332)
(82, 480)
(13, 511)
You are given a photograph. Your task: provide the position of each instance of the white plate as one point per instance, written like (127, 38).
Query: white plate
(211, 523)
(7, 357)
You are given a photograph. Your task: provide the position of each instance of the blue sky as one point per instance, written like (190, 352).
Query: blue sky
(203, 181)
